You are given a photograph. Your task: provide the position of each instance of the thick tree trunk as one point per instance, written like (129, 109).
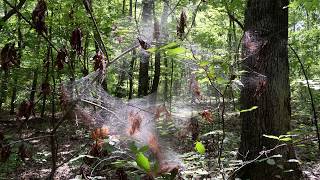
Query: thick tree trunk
(147, 32)
(266, 86)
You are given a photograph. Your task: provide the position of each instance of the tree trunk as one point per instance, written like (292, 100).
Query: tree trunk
(34, 86)
(130, 8)
(147, 32)
(266, 86)
(4, 88)
(120, 91)
(14, 96)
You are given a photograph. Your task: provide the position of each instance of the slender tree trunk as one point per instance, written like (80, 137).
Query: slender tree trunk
(14, 95)
(156, 77)
(34, 86)
(46, 80)
(123, 7)
(4, 88)
(133, 59)
(166, 80)
(120, 91)
(266, 86)
(130, 8)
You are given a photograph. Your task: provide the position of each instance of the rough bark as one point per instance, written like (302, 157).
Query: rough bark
(147, 32)
(266, 86)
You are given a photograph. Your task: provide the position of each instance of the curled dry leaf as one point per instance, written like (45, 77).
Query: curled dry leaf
(261, 87)
(135, 122)
(182, 24)
(99, 61)
(100, 133)
(5, 153)
(154, 146)
(61, 58)
(161, 109)
(156, 29)
(195, 88)
(144, 45)
(23, 152)
(64, 97)
(207, 115)
(45, 88)
(9, 56)
(1, 137)
(25, 109)
(76, 40)
(38, 17)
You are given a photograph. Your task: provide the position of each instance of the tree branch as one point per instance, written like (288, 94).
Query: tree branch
(233, 18)
(315, 120)
(31, 24)
(11, 12)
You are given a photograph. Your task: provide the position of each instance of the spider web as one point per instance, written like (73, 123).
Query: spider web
(145, 121)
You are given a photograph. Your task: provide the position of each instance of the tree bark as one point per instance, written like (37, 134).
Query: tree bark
(34, 86)
(14, 95)
(143, 88)
(4, 88)
(266, 86)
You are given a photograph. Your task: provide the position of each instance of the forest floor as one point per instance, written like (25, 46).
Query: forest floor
(75, 140)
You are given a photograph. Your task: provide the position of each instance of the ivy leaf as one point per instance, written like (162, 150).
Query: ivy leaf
(199, 147)
(143, 161)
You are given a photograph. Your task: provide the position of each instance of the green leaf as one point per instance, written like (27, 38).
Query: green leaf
(271, 162)
(176, 51)
(204, 63)
(143, 161)
(152, 50)
(199, 147)
(286, 139)
(143, 149)
(271, 137)
(133, 147)
(172, 45)
(248, 110)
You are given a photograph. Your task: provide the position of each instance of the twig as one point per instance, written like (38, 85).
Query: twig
(193, 18)
(12, 12)
(315, 120)
(95, 104)
(26, 139)
(265, 152)
(31, 24)
(122, 54)
(88, 8)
